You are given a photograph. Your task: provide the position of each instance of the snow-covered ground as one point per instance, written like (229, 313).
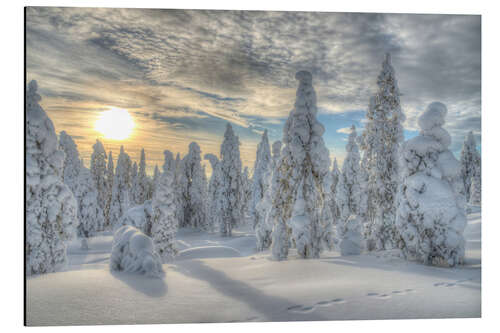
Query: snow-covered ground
(216, 279)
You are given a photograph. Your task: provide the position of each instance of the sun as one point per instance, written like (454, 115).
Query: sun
(115, 124)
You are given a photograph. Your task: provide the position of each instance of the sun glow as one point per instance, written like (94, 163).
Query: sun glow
(115, 124)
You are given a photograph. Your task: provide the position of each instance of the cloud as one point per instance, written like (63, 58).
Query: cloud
(344, 130)
(239, 67)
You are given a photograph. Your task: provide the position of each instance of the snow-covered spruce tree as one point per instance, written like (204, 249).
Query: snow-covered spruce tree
(98, 171)
(80, 181)
(154, 181)
(214, 196)
(195, 192)
(335, 176)
(264, 227)
(348, 190)
(302, 168)
(90, 214)
(231, 182)
(180, 185)
(382, 140)
(431, 214)
(468, 159)
(120, 200)
(164, 223)
(246, 194)
(133, 184)
(475, 188)
(50, 205)
(110, 175)
(71, 160)
(260, 170)
(142, 183)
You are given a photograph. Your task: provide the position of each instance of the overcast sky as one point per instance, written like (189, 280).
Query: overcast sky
(183, 74)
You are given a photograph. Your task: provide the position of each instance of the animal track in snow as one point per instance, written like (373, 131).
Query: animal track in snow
(450, 284)
(309, 309)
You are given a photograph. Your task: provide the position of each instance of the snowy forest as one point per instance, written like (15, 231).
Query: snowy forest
(390, 199)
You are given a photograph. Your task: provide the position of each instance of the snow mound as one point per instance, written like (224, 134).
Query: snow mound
(133, 251)
(203, 252)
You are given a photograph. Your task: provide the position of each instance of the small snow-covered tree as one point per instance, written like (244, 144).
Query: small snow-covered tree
(469, 158)
(300, 173)
(180, 185)
(50, 206)
(141, 184)
(382, 140)
(475, 188)
(246, 193)
(348, 190)
(133, 184)
(90, 214)
(231, 182)
(110, 174)
(154, 181)
(260, 170)
(98, 171)
(164, 223)
(214, 193)
(195, 191)
(120, 200)
(431, 213)
(71, 160)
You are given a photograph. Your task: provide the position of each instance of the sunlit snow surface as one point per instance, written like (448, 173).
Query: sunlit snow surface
(217, 279)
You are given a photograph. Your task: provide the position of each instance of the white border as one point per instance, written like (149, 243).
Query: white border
(12, 162)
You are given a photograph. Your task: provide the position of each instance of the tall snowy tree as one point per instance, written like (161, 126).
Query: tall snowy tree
(469, 158)
(260, 170)
(231, 182)
(382, 140)
(300, 174)
(110, 174)
(246, 193)
(431, 214)
(133, 185)
(264, 227)
(348, 190)
(180, 185)
(120, 200)
(475, 188)
(195, 191)
(156, 178)
(141, 186)
(90, 214)
(164, 223)
(98, 171)
(80, 181)
(50, 206)
(214, 206)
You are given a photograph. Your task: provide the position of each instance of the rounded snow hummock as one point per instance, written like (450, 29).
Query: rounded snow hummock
(304, 76)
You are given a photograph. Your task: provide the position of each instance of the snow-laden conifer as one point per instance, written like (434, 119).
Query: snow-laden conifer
(90, 214)
(231, 182)
(475, 188)
(133, 184)
(431, 213)
(50, 206)
(351, 236)
(246, 194)
(348, 190)
(142, 182)
(300, 172)
(260, 184)
(195, 191)
(469, 158)
(98, 171)
(164, 223)
(264, 228)
(382, 140)
(120, 196)
(214, 206)
(110, 175)
(180, 186)
(71, 160)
